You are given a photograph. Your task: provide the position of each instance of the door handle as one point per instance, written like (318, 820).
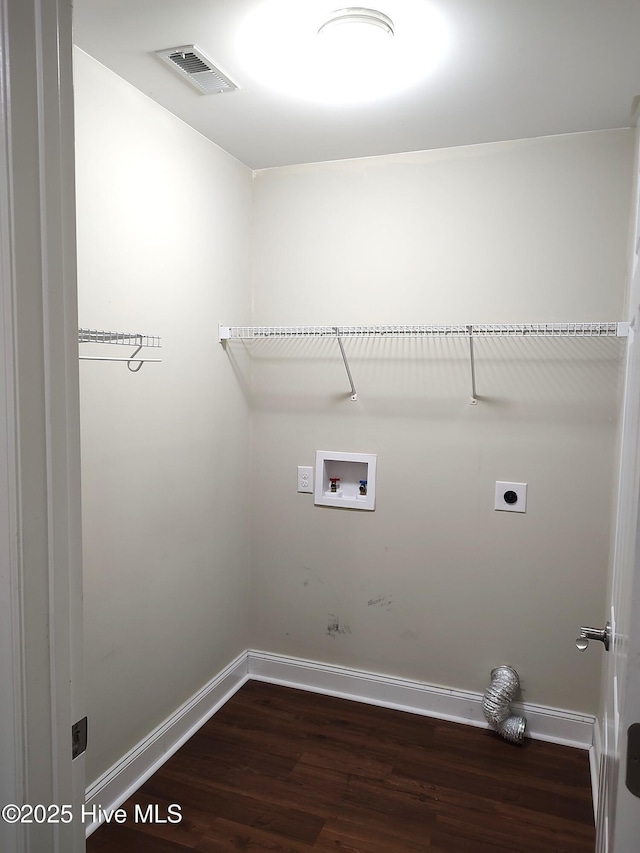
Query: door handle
(601, 634)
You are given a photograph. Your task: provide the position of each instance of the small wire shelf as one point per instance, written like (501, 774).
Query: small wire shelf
(129, 339)
(95, 336)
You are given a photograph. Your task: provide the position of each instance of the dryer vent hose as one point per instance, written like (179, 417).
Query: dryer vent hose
(504, 685)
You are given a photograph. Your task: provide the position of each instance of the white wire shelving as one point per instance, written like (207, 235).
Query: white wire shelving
(512, 330)
(128, 339)
(614, 329)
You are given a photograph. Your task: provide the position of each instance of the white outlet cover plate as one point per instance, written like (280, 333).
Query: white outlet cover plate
(520, 489)
(305, 478)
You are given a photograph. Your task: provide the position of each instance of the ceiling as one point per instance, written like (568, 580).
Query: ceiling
(513, 69)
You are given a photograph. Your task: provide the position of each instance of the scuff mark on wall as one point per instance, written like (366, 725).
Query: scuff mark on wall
(384, 600)
(311, 576)
(337, 626)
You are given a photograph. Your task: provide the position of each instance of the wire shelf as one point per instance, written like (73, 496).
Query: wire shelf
(129, 339)
(469, 331)
(546, 330)
(95, 336)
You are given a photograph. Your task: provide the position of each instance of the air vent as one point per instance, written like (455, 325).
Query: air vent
(192, 65)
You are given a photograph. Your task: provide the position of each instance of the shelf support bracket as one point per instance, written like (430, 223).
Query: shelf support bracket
(354, 393)
(472, 361)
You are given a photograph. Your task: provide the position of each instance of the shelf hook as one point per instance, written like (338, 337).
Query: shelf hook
(354, 393)
(140, 363)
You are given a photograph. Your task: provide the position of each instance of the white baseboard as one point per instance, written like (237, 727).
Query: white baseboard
(127, 775)
(543, 723)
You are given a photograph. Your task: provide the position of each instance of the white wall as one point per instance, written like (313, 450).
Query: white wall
(435, 584)
(513, 231)
(163, 248)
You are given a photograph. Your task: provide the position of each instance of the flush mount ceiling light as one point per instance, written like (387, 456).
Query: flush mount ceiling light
(316, 52)
(358, 17)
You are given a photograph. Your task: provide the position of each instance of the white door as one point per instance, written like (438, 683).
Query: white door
(40, 520)
(618, 809)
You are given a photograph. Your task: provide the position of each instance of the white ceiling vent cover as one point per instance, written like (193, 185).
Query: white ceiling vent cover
(192, 65)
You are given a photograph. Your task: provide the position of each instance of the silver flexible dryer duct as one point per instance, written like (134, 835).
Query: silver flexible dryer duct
(505, 683)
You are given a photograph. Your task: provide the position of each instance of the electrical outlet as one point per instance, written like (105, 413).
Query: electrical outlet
(305, 478)
(511, 497)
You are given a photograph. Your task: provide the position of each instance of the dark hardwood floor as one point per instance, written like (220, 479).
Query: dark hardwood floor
(286, 771)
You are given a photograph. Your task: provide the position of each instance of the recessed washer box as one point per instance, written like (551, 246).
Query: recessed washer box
(345, 480)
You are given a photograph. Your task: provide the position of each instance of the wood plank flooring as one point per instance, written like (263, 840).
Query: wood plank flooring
(286, 771)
